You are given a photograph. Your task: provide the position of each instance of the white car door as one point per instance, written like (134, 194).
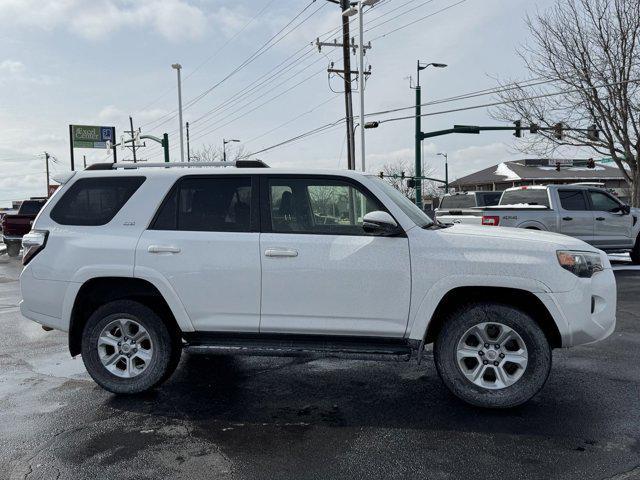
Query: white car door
(205, 242)
(321, 273)
(576, 217)
(613, 228)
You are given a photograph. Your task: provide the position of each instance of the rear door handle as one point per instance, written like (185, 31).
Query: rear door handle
(568, 219)
(280, 252)
(600, 219)
(163, 249)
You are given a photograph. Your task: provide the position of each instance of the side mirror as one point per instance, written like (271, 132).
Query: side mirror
(379, 222)
(622, 210)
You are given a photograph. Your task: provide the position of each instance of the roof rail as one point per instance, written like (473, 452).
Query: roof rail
(237, 164)
(100, 166)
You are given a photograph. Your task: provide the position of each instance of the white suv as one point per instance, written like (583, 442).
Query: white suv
(138, 264)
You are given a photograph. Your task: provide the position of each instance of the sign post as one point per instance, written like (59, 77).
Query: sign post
(88, 136)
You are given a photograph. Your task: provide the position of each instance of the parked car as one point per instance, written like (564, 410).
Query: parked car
(15, 226)
(140, 263)
(591, 214)
(459, 207)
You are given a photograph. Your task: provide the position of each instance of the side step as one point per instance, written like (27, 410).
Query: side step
(277, 345)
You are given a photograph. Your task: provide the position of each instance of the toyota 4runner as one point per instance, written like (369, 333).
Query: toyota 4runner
(138, 263)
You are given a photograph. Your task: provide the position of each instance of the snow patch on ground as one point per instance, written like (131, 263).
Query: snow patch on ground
(503, 170)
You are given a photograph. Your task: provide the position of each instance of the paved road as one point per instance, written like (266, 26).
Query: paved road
(245, 418)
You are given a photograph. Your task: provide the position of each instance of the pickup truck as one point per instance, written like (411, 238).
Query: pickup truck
(14, 227)
(263, 261)
(459, 207)
(585, 212)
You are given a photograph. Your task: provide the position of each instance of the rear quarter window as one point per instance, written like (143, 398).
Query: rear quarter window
(94, 201)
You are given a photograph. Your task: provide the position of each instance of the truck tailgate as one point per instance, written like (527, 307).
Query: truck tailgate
(16, 225)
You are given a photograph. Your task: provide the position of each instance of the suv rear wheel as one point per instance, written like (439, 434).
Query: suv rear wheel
(127, 348)
(492, 355)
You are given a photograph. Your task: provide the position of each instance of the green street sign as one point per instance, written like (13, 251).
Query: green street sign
(88, 136)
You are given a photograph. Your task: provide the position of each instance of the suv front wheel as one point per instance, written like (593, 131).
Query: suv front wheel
(492, 355)
(127, 348)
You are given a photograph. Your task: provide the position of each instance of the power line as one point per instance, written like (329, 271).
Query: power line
(418, 20)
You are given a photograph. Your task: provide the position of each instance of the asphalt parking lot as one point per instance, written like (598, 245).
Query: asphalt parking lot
(225, 417)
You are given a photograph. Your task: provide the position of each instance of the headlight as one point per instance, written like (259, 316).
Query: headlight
(581, 264)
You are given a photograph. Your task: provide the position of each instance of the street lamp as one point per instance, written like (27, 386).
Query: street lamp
(224, 147)
(418, 165)
(446, 171)
(178, 67)
(358, 7)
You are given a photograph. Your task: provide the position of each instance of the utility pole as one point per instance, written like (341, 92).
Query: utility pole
(46, 159)
(178, 67)
(133, 139)
(188, 154)
(419, 136)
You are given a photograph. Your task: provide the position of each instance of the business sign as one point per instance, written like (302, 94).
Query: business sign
(563, 162)
(87, 136)
(51, 189)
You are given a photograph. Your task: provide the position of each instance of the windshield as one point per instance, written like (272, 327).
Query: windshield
(458, 201)
(533, 196)
(407, 206)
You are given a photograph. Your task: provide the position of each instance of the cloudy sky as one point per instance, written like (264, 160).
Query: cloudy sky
(95, 62)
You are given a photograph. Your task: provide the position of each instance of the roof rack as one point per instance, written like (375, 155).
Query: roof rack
(237, 164)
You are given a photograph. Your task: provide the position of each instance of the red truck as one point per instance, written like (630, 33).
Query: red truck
(15, 226)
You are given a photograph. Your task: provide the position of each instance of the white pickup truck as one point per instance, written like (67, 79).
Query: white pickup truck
(140, 262)
(589, 213)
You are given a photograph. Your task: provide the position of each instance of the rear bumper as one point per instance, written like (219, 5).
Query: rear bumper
(42, 300)
(586, 314)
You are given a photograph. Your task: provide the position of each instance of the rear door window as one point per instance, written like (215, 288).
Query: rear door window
(94, 201)
(207, 204)
(573, 200)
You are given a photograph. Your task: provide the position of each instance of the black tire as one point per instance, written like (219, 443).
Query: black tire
(635, 253)
(166, 347)
(13, 249)
(531, 380)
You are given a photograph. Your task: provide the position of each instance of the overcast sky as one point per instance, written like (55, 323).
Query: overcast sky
(95, 62)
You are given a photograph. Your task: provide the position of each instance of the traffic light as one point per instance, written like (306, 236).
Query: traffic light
(411, 183)
(557, 166)
(381, 174)
(402, 175)
(534, 128)
(593, 133)
(591, 163)
(518, 132)
(558, 131)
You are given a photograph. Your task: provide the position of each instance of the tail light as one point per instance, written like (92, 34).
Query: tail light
(32, 243)
(490, 220)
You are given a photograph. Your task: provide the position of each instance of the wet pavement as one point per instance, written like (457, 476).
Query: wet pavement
(251, 418)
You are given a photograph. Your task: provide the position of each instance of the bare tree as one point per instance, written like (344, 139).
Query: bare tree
(587, 54)
(395, 168)
(209, 153)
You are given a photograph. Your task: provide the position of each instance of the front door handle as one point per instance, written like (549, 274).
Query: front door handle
(280, 252)
(568, 219)
(600, 219)
(163, 249)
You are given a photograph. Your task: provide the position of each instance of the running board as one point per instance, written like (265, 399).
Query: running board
(299, 345)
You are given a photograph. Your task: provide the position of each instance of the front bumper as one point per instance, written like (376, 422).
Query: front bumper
(587, 313)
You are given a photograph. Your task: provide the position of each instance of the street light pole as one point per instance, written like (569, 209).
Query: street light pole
(418, 164)
(361, 82)
(446, 171)
(224, 148)
(178, 67)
